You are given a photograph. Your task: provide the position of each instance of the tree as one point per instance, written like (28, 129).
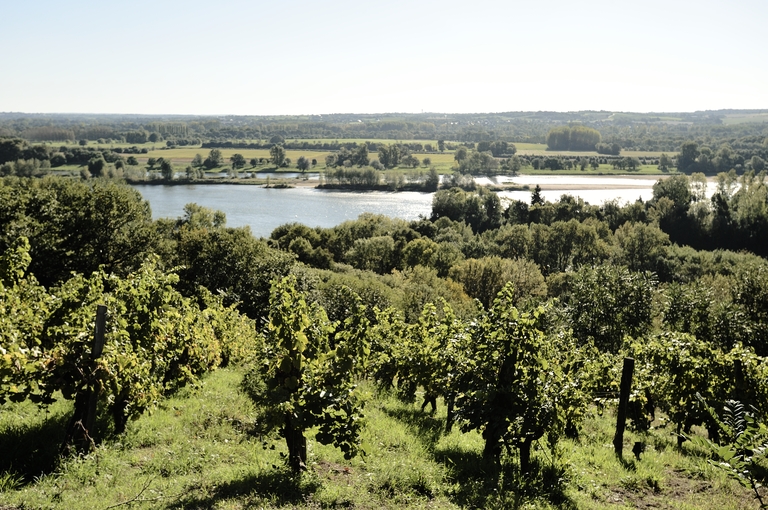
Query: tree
(166, 170)
(303, 164)
(214, 160)
(689, 151)
(536, 198)
(360, 156)
(373, 254)
(59, 159)
(11, 150)
(151, 162)
(237, 160)
(613, 149)
(575, 138)
(411, 160)
(477, 162)
(480, 211)
(441, 145)
(77, 227)
(277, 154)
(426, 162)
(513, 165)
(676, 189)
(390, 155)
(484, 278)
(461, 154)
(197, 161)
(641, 247)
(665, 163)
(632, 164)
(433, 180)
(96, 166)
(132, 161)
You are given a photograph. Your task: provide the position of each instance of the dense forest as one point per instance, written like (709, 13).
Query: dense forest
(515, 316)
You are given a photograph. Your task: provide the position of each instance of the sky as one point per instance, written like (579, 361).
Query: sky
(293, 57)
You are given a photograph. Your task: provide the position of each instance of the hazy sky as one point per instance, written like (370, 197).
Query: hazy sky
(304, 56)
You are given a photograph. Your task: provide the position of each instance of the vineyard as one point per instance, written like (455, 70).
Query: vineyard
(505, 372)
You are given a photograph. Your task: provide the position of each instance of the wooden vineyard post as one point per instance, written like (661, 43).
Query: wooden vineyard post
(621, 415)
(84, 418)
(98, 348)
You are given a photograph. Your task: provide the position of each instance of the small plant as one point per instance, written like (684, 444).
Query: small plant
(10, 481)
(742, 447)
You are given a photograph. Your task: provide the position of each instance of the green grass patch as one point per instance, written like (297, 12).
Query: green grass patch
(743, 118)
(198, 449)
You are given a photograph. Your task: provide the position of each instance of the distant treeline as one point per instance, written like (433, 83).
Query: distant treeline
(304, 145)
(636, 132)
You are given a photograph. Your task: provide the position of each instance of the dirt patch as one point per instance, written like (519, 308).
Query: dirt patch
(333, 472)
(676, 489)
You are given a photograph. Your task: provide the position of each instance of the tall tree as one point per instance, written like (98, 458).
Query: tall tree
(214, 159)
(237, 160)
(277, 154)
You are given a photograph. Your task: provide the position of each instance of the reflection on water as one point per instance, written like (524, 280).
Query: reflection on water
(592, 196)
(265, 209)
(569, 180)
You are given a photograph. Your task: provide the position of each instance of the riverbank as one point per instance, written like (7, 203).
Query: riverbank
(522, 182)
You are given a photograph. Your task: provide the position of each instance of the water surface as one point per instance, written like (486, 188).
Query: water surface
(265, 209)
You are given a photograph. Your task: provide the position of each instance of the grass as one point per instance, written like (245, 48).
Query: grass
(198, 450)
(443, 162)
(739, 118)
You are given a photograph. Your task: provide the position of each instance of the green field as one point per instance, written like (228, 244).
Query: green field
(198, 450)
(443, 162)
(184, 155)
(742, 118)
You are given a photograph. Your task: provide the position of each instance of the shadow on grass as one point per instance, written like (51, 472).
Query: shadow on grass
(628, 464)
(427, 427)
(29, 451)
(35, 448)
(278, 487)
(480, 483)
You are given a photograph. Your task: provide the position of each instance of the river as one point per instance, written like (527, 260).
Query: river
(265, 209)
